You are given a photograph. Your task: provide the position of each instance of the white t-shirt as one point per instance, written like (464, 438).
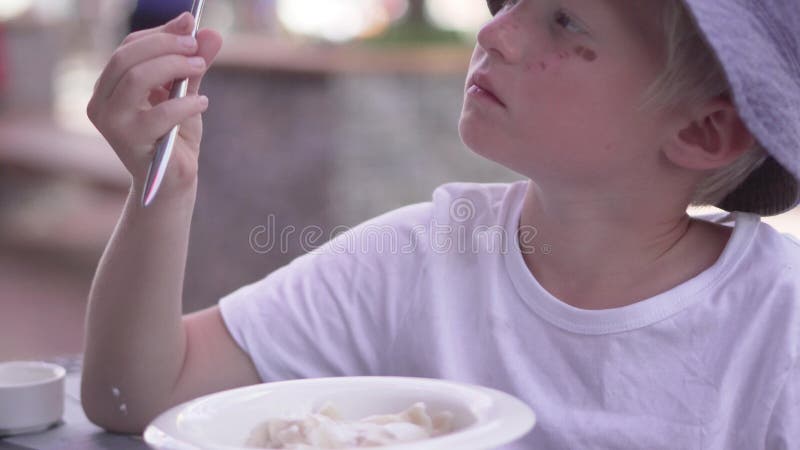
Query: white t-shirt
(440, 289)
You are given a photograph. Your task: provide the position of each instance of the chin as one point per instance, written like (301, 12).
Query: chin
(495, 146)
(472, 134)
(484, 142)
(477, 137)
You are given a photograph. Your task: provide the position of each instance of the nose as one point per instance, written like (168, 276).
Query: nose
(500, 37)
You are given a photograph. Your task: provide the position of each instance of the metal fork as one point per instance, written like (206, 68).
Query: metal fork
(164, 146)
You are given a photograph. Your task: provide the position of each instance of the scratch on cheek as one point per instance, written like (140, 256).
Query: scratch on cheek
(585, 53)
(563, 55)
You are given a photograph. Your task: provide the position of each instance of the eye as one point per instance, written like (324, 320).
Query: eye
(495, 6)
(562, 18)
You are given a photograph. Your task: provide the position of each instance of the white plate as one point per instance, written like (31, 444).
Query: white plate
(483, 418)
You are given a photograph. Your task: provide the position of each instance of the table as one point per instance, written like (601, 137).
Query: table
(75, 432)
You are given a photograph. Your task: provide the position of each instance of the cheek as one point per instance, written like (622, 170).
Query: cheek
(579, 53)
(584, 53)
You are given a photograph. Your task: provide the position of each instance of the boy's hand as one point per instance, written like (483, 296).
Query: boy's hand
(130, 105)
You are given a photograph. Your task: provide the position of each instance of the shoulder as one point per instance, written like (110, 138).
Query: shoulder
(409, 230)
(760, 293)
(759, 270)
(793, 240)
(458, 201)
(476, 203)
(779, 250)
(764, 248)
(770, 274)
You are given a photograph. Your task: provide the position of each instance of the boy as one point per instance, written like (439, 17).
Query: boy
(587, 291)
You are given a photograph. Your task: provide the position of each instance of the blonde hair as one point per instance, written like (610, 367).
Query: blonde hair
(692, 75)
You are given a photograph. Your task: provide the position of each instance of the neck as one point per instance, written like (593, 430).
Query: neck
(609, 251)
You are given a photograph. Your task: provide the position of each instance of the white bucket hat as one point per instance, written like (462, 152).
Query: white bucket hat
(758, 44)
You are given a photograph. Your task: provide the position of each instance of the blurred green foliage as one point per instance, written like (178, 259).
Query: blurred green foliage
(418, 33)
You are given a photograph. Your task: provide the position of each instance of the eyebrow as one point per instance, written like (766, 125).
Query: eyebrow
(618, 16)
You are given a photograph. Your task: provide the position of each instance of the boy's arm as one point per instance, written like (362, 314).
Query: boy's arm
(139, 351)
(141, 356)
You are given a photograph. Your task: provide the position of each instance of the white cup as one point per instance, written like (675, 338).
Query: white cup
(31, 396)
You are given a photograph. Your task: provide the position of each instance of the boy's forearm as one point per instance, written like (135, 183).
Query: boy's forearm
(135, 341)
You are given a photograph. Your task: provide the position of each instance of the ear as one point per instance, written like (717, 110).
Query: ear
(713, 137)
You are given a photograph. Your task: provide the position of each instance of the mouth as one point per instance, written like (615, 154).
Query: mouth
(479, 85)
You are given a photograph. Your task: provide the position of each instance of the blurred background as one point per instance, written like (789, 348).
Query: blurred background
(323, 113)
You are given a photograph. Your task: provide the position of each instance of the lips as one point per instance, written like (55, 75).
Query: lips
(481, 84)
